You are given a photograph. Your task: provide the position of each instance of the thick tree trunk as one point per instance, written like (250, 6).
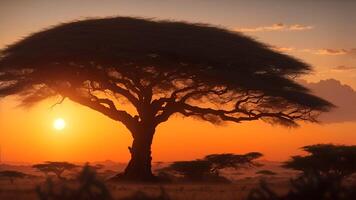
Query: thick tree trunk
(139, 167)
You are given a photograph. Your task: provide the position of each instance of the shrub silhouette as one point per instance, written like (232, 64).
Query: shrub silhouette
(266, 172)
(87, 187)
(139, 195)
(195, 170)
(323, 173)
(306, 187)
(54, 167)
(160, 68)
(12, 175)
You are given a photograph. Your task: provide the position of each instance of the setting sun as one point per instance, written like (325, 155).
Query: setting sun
(59, 124)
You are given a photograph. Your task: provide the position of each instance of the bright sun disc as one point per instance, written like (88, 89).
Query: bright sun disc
(59, 124)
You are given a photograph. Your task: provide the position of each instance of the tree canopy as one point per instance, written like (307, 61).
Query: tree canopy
(326, 160)
(54, 167)
(10, 174)
(136, 58)
(211, 165)
(229, 160)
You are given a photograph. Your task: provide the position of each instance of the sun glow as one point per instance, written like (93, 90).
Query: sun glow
(59, 124)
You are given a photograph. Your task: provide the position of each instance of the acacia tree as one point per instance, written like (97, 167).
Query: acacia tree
(229, 160)
(324, 169)
(325, 161)
(159, 68)
(12, 175)
(55, 167)
(209, 167)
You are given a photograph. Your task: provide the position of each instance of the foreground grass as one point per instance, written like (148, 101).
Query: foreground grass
(25, 189)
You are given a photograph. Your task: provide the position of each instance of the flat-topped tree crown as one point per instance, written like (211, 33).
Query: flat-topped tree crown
(12, 175)
(325, 161)
(160, 68)
(54, 167)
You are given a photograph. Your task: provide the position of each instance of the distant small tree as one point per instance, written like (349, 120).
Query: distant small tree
(208, 168)
(229, 160)
(54, 167)
(12, 175)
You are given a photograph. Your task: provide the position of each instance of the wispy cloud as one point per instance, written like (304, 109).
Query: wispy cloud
(299, 27)
(322, 52)
(283, 49)
(342, 68)
(330, 52)
(276, 27)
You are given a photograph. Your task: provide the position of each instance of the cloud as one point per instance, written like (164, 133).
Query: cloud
(352, 52)
(343, 68)
(276, 27)
(283, 49)
(331, 52)
(299, 27)
(341, 95)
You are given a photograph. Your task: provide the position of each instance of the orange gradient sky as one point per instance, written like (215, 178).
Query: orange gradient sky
(319, 33)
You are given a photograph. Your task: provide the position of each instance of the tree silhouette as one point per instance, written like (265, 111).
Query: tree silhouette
(207, 169)
(324, 171)
(159, 68)
(326, 161)
(229, 160)
(55, 167)
(12, 175)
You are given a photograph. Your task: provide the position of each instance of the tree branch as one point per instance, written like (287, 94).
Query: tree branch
(59, 102)
(112, 112)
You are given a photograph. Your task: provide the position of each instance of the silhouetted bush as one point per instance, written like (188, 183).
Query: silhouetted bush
(266, 172)
(139, 195)
(86, 187)
(324, 170)
(165, 177)
(306, 188)
(196, 170)
(264, 192)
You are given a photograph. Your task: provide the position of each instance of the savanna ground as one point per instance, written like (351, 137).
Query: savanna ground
(243, 181)
(25, 189)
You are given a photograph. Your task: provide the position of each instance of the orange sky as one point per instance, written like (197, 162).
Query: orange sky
(323, 39)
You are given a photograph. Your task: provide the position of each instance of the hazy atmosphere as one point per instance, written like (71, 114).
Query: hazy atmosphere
(178, 91)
